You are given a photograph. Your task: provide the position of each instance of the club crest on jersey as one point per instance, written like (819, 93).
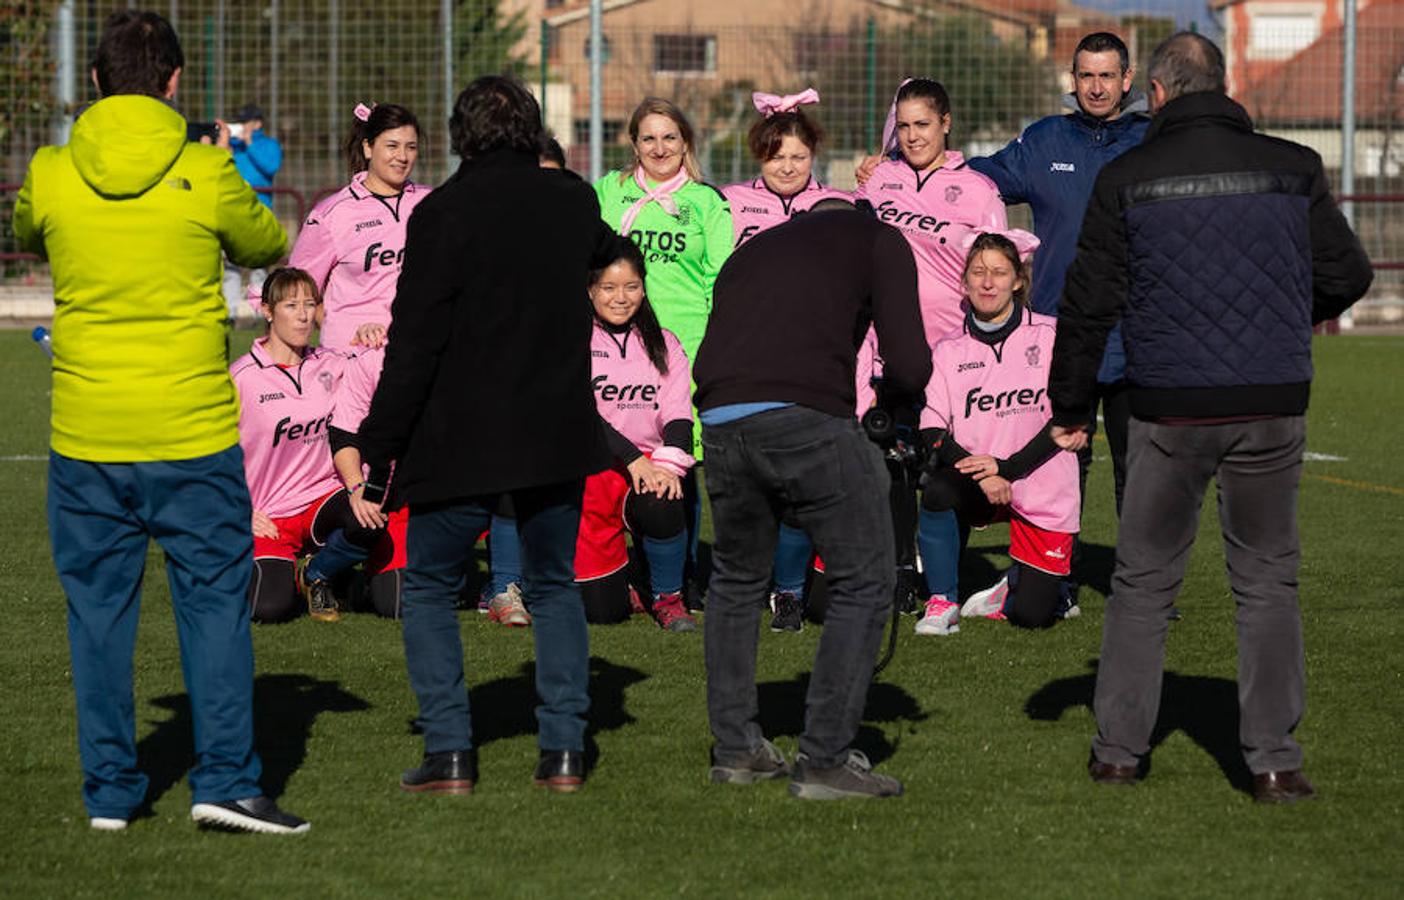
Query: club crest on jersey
(1031, 354)
(684, 215)
(953, 193)
(325, 380)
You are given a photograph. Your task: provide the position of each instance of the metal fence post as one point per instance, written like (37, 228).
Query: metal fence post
(1348, 112)
(870, 86)
(65, 71)
(596, 89)
(545, 61)
(446, 15)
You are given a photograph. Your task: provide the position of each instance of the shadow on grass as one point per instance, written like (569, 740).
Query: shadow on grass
(1204, 708)
(782, 712)
(285, 706)
(506, 707)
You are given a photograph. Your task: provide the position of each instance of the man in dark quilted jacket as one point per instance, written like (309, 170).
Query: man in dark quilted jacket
(1217, 249)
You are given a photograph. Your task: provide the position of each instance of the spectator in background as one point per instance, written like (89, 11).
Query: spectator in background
(1216, 248)
(134, 219)
(258, 157)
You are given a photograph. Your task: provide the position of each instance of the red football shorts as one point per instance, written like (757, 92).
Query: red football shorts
(389, 553)
(294, 533)
(1047, 551)
(600, 548)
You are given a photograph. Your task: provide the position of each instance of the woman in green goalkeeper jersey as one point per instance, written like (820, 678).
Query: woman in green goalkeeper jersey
(682, 224)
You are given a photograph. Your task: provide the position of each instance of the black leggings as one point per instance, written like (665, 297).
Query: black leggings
(273, 593)
(607, 599)
(1033, 594)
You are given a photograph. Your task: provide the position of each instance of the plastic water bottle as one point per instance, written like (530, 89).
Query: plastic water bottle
(43, 339)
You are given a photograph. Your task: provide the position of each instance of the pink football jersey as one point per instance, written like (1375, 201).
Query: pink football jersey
(633, 396)
(993, 400)
(352, 244)
(353, 396)
(755, 207)
(936, 210)
(283, 418)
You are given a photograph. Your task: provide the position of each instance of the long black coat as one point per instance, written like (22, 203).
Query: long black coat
(486, 386)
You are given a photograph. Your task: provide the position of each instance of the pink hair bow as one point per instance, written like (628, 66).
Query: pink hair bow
(771, 104)
(1024, 242)
(363, 112)
(889, 128)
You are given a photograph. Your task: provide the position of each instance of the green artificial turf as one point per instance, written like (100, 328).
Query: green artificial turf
(989, 729)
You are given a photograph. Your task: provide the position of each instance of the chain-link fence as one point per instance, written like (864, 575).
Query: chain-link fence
(1005, 63)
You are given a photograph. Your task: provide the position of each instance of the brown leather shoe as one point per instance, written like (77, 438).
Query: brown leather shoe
(1106, 773)
(1282, 787)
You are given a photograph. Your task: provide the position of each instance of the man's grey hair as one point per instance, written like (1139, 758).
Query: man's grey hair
(1185, 63)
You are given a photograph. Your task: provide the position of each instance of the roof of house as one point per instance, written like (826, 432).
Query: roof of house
(1306, 89)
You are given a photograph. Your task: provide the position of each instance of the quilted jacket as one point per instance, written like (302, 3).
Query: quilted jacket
(1217, 249)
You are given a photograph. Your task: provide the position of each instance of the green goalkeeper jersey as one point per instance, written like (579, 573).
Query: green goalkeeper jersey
(683, 253)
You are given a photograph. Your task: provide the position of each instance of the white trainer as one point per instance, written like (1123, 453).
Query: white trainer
(989, 603)
(941, 617)
(101, 823)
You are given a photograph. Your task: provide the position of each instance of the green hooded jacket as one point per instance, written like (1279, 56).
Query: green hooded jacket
(135, 222)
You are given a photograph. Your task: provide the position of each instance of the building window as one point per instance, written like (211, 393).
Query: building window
(606, 49)
(1279, 35)
(813, 48)
(690, 54)
(610, 127)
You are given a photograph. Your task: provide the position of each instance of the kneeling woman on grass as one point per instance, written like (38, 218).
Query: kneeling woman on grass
(305, 531)
(641, 380)
(986, 421)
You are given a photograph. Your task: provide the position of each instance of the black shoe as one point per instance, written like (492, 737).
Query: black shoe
(694, 596)
(1282, 787)
(450, 772)
(787, 612)
(560, 771)
(258, 814)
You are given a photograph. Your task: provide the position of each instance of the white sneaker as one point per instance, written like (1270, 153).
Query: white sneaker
(941, 617)
(100, 823)
(989, 603)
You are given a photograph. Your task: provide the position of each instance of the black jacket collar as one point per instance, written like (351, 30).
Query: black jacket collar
(1200, 108)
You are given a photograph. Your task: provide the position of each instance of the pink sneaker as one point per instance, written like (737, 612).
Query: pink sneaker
(989, 603)
(941, 617)
(671, 615)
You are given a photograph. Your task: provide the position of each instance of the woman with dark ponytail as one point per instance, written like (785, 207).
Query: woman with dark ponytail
(642, 380)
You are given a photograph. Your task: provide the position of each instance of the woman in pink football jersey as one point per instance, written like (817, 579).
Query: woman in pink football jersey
(785, 143)
(306, 529)
(352, 243)
(642, 380)
(925, 190)
(986, 422)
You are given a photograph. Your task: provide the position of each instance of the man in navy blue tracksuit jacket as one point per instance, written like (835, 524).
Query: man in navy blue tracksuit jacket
(1052, 167)
(1216, 249)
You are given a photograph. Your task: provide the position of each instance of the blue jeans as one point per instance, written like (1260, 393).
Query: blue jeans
(825, 472)
(440, 553)
(101, 519)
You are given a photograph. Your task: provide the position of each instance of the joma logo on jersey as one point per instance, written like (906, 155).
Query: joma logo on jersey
(978, 399)
(895, 186)
(373, 223)
(763, 210)
(889, 213)
(965, 367)
(667, 241)
(276, 395)
(624, 392)
(599, 354)
(383, 257)
(285, 429)
(1062, 167)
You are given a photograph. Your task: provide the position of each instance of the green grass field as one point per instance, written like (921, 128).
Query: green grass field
(989, 729)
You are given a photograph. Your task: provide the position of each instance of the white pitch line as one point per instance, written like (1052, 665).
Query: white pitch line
(23, 458)
(1309, 456)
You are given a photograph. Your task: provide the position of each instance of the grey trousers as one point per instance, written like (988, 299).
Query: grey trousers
(825, 473)
(1258, 466)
